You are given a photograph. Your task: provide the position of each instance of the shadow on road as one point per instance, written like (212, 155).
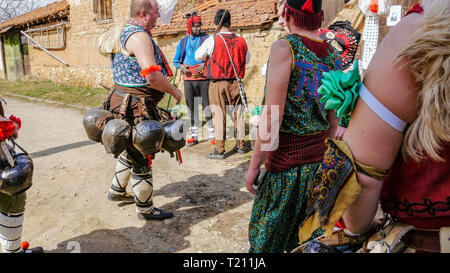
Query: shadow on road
(62, 148)
(203, 197)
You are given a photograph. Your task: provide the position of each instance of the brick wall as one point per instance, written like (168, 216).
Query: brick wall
(88, 67)
(258, 43)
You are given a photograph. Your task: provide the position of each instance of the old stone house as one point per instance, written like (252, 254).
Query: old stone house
(46, 25)
(68, 30)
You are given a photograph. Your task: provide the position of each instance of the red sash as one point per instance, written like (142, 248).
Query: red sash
(295, 150)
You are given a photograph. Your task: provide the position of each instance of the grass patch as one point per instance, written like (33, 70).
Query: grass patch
(68, 94)
(48, 90)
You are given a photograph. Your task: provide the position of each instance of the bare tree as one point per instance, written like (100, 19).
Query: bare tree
(13, 8)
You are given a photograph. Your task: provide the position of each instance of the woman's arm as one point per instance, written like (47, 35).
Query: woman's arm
(372, 141)
(280, 63)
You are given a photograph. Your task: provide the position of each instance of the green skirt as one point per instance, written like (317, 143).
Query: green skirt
(279, 208)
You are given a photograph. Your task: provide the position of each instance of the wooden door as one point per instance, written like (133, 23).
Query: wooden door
(13, 57)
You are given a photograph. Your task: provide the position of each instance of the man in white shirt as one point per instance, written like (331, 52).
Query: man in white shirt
(226, 55)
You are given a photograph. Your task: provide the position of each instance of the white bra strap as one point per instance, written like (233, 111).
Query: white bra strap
(379, 109)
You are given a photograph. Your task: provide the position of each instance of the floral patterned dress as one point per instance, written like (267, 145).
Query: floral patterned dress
(280, 205)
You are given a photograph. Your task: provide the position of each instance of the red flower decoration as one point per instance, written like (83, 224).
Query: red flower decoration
(16, 120)
(6, 129)
(150, 69)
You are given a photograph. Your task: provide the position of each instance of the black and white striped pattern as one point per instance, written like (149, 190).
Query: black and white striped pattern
(121, 176)
(11, 231)
(143, 191)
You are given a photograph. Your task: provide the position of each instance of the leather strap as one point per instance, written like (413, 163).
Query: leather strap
(123, 94)
(124, 105)
(425, 240)
(143, 108)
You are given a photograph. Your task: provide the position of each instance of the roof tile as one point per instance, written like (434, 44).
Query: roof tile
(36, 14)
(244, 14)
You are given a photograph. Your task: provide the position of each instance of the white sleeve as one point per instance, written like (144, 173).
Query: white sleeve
(205, 50)
(247, 58)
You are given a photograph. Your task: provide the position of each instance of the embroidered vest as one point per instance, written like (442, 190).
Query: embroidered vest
(419, 193)
(126, 70)
(219, 67)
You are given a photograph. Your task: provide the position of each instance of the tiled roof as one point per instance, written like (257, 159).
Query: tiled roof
(244, 14)
(37, 14)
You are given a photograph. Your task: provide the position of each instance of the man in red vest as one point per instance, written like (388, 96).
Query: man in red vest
(226, 55)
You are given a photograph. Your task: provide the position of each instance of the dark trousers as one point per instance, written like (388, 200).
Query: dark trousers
(193, 89)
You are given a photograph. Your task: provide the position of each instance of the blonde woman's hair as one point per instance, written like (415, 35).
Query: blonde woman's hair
(428, 56)
(109, 42)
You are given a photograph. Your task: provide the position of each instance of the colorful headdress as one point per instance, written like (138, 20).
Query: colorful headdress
(305, 13)
(191, 20)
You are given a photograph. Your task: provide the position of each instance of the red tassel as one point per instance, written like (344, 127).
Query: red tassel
(310, 21)
(308, 6)
(189, 25)
(149, 157)
(179, 157)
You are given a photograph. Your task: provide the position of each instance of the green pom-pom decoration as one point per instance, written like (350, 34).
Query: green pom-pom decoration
(339, 92)
(256, 111)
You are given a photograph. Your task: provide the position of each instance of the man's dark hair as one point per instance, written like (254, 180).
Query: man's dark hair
(226, 18)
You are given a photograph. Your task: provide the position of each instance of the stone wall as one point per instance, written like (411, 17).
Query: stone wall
(88, 67)
(258, 43)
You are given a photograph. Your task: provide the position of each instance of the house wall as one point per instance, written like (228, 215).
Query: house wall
(258, 43)
(88, 67)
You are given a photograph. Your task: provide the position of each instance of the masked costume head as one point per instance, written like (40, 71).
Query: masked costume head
(344, 39)
(307, 14)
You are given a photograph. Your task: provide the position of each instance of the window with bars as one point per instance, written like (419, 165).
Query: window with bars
(102, 10)
(50, 37)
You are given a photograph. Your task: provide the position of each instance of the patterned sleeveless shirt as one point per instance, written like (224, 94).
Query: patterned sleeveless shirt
(303, 113)
(126, 70)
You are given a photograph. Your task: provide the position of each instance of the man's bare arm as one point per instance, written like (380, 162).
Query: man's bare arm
(140, 46)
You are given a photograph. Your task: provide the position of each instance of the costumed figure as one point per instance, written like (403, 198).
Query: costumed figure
(196, 85)
(396, 150)
(292, 129)
(345, 40)
(16, 173)
(226, 55)
(131, 126)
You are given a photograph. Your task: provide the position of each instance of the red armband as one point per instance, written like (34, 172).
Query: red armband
(340, 224)
(150, 69)
(16, 120)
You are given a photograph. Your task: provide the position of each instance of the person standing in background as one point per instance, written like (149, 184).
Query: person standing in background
(195, 84)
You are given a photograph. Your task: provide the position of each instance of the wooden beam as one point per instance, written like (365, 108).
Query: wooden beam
(43, 48)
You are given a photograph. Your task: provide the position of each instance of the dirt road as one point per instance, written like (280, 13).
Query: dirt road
(68, 211)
